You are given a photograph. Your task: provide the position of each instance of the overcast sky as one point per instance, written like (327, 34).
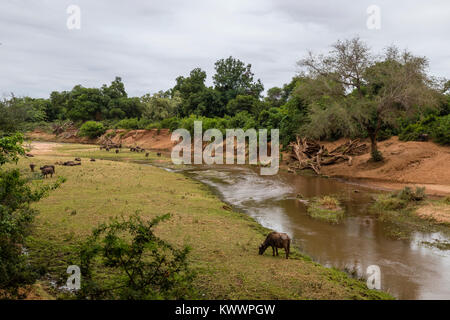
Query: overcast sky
(150, 43)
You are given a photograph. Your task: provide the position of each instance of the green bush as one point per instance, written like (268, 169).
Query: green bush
(409, 195)
(326, 208)
(441, 132)
(172, 123)
(16, 219)
(415, 131)
(389, 202)
(92, 129)
(129, 124)
(376, 155)
(153, 125)
(126, 260)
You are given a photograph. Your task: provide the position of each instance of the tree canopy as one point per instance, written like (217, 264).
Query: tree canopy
(350, 89)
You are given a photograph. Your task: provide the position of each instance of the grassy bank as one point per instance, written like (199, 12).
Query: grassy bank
(326, 208)
(224, 243)
(409, 211)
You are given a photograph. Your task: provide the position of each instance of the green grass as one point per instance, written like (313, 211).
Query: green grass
(224, 243)
(398, 212)
(326, 208)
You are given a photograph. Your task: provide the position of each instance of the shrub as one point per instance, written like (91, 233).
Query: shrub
(326, 208)
(92, 129)
(376, 155)
(389, 202)
(16, 218)
(126, 260)
(409, 195)
(415, 131)
(128, 124)
(172, 123)
(441, 132)
(153, 125)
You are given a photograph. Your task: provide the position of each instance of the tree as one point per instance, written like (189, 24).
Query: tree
(244, 103)
(233, 78)
(160, 106)
(355, 90)
(196, 97)
(16, 112)
(275, 97)
(115, 90)
(86, 104)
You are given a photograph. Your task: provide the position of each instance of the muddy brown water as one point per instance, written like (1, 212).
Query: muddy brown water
(409, 269)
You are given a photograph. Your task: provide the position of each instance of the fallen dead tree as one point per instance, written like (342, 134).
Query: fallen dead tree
(309, 154)
(61, 128)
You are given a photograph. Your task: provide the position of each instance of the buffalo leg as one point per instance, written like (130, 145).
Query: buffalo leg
(273, 251)
(276, 250)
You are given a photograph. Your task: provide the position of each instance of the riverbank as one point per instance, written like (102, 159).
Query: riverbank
(224, 243)
(409, 163)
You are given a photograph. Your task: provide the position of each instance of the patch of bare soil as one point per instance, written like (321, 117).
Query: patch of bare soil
(435, 211)
(405, 163)
(148, 139)
(41, 148)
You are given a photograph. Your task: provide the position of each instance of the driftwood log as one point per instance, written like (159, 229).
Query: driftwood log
(309, 154)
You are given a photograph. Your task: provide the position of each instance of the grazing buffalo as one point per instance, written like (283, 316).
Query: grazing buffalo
(158, 154)
(48, 166)
(77, 159)
(276, 240)
(71, 163)
(147, 154)
(48, 170)
(32, 166)
(117, 150)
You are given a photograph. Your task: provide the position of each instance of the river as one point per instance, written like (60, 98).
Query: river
(409, 269)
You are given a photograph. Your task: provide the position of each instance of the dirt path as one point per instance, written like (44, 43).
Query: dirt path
(42, 148)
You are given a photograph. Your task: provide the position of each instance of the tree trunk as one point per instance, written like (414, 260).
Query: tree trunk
(373, 143)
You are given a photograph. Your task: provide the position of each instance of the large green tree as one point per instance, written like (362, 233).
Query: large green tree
(160, 105)
(233, 77)
(350, 89)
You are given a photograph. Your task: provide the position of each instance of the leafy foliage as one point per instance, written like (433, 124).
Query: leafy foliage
(11, 148)
(354, 90)
(16, 217)
(234, 78)
(92, 129)
(347, 93)
(126, 260)
(441, 132)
